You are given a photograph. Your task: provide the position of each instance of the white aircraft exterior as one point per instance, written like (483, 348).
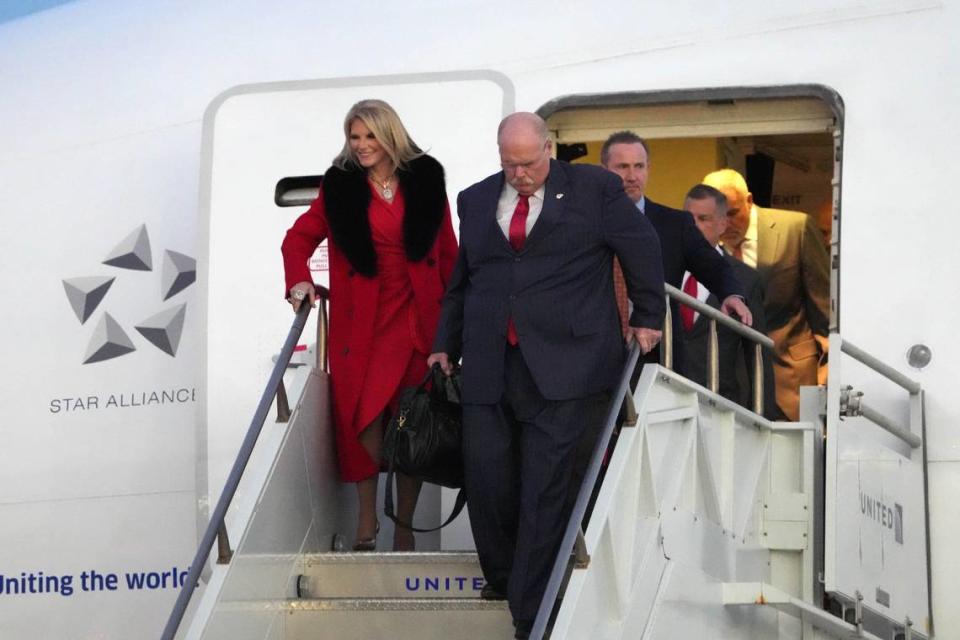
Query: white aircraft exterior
(140, 319)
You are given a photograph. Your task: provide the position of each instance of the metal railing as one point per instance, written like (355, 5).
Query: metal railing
(573, 541)
(713, 349)
(216, 529)
(852, 404)
(573, 537)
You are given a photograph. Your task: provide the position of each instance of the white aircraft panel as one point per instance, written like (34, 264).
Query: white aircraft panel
(875, 516)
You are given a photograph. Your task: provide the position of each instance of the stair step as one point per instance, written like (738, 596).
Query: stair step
(391, 575)
(394, 618)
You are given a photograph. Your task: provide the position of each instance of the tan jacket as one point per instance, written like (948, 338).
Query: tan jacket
(795, 271)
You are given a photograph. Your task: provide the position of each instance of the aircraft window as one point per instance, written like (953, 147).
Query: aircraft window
(297, 191)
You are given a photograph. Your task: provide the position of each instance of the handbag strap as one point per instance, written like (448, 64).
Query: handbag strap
(388, 505)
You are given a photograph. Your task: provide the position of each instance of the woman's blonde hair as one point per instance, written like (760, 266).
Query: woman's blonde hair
(385, 125)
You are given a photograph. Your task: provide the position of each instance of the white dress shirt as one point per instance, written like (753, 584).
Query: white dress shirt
(748, 248)
(641, 204)
(508, 202)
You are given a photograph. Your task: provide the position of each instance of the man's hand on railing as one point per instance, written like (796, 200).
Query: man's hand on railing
(443, 360)
(300, 292)
(646, 338)
(734, 305)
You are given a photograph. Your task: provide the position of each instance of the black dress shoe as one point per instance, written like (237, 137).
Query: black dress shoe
(489, 592)
(523, 629)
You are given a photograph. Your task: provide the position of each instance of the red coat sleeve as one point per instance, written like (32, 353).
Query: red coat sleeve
(447, 247)
(301, 241)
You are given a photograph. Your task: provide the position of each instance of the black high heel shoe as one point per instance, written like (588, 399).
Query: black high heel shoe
(367, 544)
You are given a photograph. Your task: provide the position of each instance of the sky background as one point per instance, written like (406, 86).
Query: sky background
(13, 9)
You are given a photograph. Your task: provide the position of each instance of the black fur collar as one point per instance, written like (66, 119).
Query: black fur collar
(346, 196)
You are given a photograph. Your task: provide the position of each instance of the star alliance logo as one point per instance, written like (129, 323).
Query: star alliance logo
(162, 329)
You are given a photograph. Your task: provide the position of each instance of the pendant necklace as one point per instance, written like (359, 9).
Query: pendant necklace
(385, 187)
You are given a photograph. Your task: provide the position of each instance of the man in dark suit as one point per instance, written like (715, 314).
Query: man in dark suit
(530, 307)
(736, 353)
(682, 245)
(786, 249)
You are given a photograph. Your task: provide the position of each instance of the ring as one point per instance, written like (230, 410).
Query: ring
(297, 294)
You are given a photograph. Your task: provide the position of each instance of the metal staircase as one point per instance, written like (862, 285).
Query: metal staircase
(707, 523)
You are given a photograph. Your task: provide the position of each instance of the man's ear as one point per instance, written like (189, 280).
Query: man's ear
(749, 199)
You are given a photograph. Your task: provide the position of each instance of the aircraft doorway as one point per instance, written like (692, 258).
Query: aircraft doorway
(786, 141)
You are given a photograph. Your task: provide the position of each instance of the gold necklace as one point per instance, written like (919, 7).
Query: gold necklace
(384, 185)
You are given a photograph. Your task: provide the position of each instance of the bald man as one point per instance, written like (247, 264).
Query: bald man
(786, 248)
(531, 309)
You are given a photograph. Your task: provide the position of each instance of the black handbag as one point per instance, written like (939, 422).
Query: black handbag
(423, 439)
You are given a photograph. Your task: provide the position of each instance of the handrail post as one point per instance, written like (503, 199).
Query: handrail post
(629, 412)
(581, 559)
(323, 328)
(224, 552)
(666, 344)
(713, 358)
(758, 390)
(283, 404)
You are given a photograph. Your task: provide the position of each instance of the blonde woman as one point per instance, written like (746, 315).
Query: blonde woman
(383, 207)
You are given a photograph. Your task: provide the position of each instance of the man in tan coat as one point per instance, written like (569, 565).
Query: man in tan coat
(787, 250)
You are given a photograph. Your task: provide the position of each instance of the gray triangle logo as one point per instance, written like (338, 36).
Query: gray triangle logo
(85, 294)
(179, 272)
(133, 252)
(108, 341)
(165, 329)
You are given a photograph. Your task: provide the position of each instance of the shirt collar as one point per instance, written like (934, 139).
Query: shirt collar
(641, 204)
(512, 195)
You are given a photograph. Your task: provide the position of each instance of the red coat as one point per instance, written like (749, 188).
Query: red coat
(353, 295)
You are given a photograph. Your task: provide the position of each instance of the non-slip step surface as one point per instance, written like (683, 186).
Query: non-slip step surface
(391, 575)
(379, 618)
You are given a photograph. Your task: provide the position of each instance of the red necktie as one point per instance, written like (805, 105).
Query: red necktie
(517, 234)
(686, 313)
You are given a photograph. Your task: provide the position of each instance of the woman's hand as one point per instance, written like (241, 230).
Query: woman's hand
(300, 292)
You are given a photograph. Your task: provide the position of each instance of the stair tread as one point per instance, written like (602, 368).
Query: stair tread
(391, 557)
(366, 604)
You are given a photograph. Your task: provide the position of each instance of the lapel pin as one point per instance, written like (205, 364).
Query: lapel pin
(559, 195)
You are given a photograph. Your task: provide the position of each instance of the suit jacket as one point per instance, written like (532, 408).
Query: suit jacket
(736, 354)
(558, 288)
(685, 249)
(795, 271)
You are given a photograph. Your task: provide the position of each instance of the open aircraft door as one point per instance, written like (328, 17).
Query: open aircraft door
(255, 136)
(876, 563)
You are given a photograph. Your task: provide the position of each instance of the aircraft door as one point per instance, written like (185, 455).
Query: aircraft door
(254, 137)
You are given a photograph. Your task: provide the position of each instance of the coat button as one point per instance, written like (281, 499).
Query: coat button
(346, 350)
(516, 259)
(431, 262)
(350, 273)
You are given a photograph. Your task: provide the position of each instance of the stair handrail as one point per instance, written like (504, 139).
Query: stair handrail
(574, 531)
(716, 316)
(216, 528)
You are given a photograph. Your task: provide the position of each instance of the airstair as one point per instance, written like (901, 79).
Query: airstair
(707, 522)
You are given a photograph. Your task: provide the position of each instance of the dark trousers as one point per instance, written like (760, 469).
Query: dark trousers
(519, 457)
